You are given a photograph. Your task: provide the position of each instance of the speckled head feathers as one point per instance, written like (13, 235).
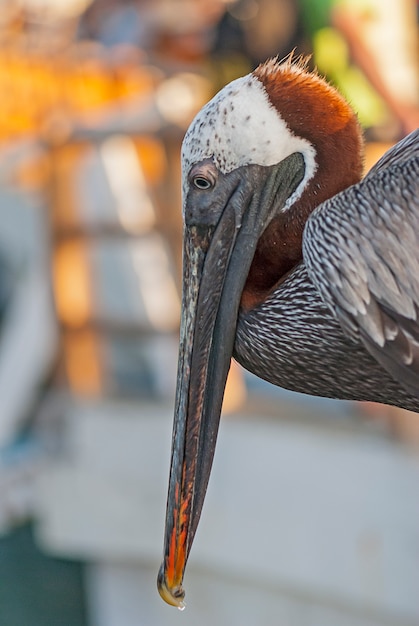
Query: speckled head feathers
(263, 117)
(240, 126)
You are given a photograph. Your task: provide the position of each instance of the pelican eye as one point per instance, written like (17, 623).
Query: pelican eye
(202, 183)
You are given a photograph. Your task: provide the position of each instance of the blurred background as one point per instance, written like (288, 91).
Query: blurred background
(312, 515)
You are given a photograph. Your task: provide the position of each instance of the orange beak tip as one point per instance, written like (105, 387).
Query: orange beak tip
(173, 595)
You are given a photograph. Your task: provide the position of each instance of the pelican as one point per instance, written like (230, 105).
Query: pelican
(305, 273)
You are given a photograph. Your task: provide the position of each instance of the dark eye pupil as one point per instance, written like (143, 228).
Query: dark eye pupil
(201, 183)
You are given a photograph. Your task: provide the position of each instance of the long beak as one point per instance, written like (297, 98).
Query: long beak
(216, 264)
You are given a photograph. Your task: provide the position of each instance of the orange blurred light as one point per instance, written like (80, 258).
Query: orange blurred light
(72, 283)
(152, 158)
(35, 87)
(83, 363)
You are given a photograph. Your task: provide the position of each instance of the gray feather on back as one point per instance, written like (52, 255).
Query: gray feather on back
(361, 249)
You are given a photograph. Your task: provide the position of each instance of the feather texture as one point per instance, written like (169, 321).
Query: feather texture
(361, 250)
